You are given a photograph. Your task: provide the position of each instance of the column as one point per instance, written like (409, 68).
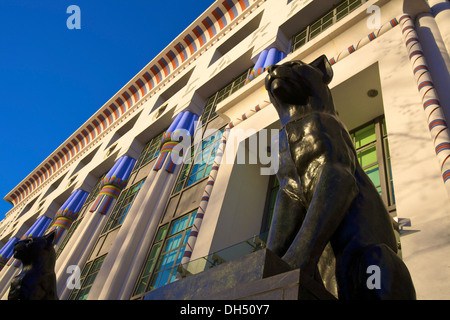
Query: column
(266, 59)
(441, 12)
(437, 56)
(81, 243)
(67, 214)
(258, 68)
(432, 107)
(122, 265)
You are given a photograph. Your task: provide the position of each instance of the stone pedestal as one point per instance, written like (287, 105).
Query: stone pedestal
(259, 275)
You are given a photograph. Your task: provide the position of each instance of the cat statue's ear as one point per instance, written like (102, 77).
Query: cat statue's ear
(50, 237)
(324, 65)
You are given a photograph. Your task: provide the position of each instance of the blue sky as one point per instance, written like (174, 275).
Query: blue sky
(52, 79)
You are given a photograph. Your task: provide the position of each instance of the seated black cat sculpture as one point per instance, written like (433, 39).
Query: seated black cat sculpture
(325, 196)
(37, 281)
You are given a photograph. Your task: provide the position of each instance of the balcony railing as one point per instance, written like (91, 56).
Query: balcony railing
(240, 249)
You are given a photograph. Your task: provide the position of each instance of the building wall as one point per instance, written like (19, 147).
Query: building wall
(237, 204)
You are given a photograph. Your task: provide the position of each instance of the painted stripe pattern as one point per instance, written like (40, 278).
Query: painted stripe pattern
(174, 55)
(434, 114)
(176, 139)
(68, 213)
(369, 38)
(112, 184)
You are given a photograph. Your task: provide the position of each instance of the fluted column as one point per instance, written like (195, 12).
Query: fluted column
(67, 214)
(122, 265)
(266, 59)
(441, 11)
(87, 233)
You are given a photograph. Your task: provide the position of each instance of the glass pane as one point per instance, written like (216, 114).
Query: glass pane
(161, 233)
(300, 39)
(354, 4)
(374, 175)
(171, 254)
(365, 136)
(141, 286)
(367, 156)
(86, 269)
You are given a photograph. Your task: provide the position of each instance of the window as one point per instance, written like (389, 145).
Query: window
(87, 278)
(165, 255)
(201, 164)
(372, 148)
(122, 206)
(203, 155)
(150, 152)
(210, 110)
(320, 25)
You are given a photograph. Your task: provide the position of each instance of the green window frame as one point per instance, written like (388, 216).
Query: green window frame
(323, 23)
(372, 149)
(209, 112)
(160, 267)
(87, 279)
(150, 152)
(202, 160)
(122, 206)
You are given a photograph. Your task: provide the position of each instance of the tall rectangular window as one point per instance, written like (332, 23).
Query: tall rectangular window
(87, 279)
(372, 148)
(150, 152)
(122, 206)
(165, 255)
(202, 160)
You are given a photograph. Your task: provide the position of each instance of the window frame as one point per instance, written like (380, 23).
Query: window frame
(163, 235)
(122, 207)
(152, 147)
(87, 274)
(381, 144)
(346, 5)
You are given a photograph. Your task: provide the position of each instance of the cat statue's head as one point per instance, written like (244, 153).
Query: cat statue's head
(33, 249)
(37, 280)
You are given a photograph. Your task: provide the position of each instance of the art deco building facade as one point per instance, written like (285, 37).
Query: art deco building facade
(129, 207)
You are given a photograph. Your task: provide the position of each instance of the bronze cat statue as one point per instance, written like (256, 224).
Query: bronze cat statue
(325, 196)
(37, 280)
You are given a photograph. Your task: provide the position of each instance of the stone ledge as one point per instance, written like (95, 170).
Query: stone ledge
(260, 275)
